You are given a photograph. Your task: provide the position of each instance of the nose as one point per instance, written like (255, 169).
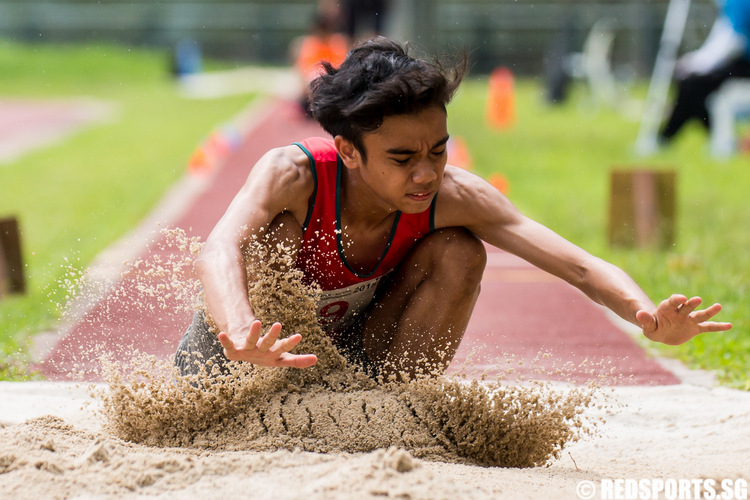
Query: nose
(424, 172)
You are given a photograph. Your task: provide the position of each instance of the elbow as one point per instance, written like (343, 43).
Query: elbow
(201, 263)
(208, 258)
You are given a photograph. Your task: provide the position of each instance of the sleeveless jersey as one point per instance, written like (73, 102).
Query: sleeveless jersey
(322, 258)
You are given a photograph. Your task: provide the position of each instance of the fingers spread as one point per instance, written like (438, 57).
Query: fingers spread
(226, 342)
(287, 344)
(714, 327)
(694, 302)
(269, 339)
(267, 350)
(689, 306)
(253, 336)
(297, 360)
(706, 314)
(676, 300)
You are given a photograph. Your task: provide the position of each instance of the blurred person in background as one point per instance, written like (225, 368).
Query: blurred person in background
(725, 54)
(364, 18)
(323, 44)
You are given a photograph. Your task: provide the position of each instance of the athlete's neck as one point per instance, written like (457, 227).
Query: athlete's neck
(360, 205)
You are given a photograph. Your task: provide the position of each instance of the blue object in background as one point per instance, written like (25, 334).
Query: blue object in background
(187, 58)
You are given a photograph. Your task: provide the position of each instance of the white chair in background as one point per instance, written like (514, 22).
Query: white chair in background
(725, 106)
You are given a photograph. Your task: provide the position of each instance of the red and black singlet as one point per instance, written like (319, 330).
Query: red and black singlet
(346, 292)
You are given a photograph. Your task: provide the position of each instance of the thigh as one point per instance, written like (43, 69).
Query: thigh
(454, 256)
(739, 68)
(422, 310)
(700, 86)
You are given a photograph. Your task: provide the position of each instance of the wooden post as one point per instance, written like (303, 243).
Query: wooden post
(11, 262)
(642, 208)
(3, 273)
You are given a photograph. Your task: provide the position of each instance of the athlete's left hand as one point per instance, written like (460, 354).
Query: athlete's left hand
(675, 320)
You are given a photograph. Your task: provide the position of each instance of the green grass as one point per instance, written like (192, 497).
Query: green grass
(74, 199)
(558, 159)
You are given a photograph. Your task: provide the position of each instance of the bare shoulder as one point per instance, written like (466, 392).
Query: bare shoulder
(285, 167)
(467, 200)
(282, 180)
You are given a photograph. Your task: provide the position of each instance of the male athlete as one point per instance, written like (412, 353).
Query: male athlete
(392, 234)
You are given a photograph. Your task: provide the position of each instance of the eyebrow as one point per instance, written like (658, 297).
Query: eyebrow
(406, 151)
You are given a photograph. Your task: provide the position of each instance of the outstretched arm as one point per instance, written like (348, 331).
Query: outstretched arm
(675, 321)
(470, 202)
(277, 183)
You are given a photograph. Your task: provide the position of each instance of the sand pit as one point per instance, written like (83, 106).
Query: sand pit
(669, 432)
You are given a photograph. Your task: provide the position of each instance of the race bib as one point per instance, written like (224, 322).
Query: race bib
(339, 309)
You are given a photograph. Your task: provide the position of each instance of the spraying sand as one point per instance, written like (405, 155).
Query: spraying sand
(334, 407)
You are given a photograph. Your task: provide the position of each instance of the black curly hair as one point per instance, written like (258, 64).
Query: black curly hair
(379, 79)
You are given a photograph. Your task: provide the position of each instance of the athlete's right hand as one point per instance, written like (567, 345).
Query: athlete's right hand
(266, 350)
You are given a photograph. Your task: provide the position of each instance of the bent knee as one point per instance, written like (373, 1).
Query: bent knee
(460, 250)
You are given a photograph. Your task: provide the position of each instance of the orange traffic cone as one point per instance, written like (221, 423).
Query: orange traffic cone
(458, 153)
(199, 163)
(217, 146)
(499, 182)
(501, 99)
(213, 151)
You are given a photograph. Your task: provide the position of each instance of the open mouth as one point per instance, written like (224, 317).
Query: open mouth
(420, 196)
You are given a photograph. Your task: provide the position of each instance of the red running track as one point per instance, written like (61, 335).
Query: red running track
(525, 320)
(26, 125)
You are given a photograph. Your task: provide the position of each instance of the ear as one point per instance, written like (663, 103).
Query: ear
(348, 153)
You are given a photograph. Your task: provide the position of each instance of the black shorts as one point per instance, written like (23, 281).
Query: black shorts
(198, 347)
(350, 345)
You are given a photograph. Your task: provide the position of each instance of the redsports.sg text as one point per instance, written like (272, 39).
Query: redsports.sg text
(669, 489)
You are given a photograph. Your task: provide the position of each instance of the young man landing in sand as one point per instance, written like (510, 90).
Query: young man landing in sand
(392, 234)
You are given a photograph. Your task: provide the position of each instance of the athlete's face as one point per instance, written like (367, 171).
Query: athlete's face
(406, 158)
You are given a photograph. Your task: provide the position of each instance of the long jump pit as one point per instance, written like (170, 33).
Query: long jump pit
(332, 432)
(591, 417)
